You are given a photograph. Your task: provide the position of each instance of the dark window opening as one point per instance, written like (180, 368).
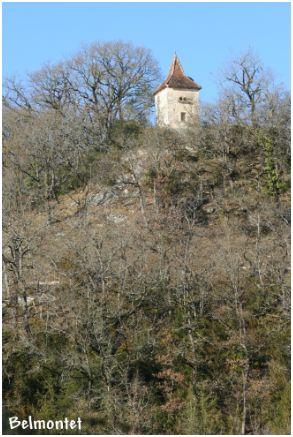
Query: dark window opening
(185, 100)
(183, 116)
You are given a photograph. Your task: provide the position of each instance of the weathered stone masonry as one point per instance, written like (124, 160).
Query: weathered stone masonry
(177, 98)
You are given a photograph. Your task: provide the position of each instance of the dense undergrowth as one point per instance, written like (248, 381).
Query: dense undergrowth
(163, 308)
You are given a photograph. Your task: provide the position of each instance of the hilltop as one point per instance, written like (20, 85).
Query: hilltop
(145, 269)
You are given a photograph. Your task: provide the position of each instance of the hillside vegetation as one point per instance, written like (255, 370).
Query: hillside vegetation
(146, 271)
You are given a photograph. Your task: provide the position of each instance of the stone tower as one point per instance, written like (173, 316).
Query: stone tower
(177, 98)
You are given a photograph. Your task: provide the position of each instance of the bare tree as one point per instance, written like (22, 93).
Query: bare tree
(50, 87)
(16, 94)
(114, 80)
(249, 81)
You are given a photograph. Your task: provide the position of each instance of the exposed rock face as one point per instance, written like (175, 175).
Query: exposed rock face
(210, 210)
(102, 198)
(116, 218)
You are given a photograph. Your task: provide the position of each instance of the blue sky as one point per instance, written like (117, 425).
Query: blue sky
(205, 35)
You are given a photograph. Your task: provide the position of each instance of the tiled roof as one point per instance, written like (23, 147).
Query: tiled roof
(177, 79)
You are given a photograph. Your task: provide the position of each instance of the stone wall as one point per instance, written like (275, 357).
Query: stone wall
(176, 107)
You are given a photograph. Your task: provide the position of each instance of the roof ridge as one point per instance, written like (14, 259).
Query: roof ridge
(176, 78)
(175, 61)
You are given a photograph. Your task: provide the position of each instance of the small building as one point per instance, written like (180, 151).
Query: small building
(177, 98)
